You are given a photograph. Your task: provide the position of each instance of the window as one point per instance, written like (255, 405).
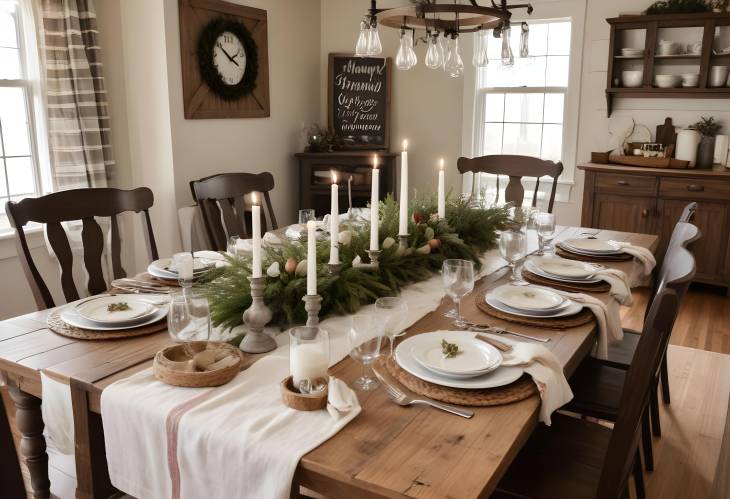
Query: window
(526, 108)
(19, 177)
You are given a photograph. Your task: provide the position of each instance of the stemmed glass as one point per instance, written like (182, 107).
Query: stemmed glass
(391, 311)
(189, 317)
(545, 230)
(232, 246)
(512, 247)
(458, 280)
(364, 336)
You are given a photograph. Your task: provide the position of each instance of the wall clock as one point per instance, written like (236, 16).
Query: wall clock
(224, 54)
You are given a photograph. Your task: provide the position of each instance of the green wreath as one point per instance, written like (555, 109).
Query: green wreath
(210, 74)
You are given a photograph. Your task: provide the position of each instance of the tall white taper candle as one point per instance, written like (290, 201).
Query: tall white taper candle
(334, 223)
(374, 205)
(311, 258)
(441, 191)
(403, 199)
(256, 236)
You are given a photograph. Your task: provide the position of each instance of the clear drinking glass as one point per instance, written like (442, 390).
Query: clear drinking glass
(365, 336)
(309, 354)
(512, 247)
(545, 230)
(306, 215)
(458, 280)
(189, 316)
(231, 248)
(391, 311)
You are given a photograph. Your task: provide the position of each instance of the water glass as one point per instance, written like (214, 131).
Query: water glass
(365, 336)
(189, 316)
(513, 248)
(231, 248)
(458, 281)
(545, 230)
(306, 215)
(391, 311)
(309, 355)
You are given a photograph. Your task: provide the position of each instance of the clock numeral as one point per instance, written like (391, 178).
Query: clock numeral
(228, 38)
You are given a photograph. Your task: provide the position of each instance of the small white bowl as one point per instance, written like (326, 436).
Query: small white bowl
(632, 79)
(632, 52)
(667, 81)
(690, 79)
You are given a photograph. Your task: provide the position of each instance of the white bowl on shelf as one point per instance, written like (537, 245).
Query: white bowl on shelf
(668, 47)
(632, 52)
(667, 81)
(632, 79)
(690, 79)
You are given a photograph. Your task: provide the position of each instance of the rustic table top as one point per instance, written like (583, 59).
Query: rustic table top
(387, 451)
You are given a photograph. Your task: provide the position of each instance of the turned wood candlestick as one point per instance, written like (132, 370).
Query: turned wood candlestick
(255, 318)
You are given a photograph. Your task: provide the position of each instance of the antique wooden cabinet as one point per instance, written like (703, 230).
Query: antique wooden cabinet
(650, 200)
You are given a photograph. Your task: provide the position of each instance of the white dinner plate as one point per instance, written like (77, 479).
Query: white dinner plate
(474, 357)
(69, 315)
(592, 245)
(572, 309)
(96, 309)
(563, 267)
(528, 298)
(503, 375)
(537, 270)
(161, 267)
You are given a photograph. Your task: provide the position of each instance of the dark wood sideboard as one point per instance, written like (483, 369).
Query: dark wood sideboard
(315, 177)
(650, 200)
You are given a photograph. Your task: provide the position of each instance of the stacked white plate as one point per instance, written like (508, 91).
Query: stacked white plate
(531, 301)
(163, 269)
(562, 269)
(476, 365)
(96, 313)
(588, 246)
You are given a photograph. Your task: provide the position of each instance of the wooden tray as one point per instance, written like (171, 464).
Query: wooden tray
(165, 366)
(648, 162)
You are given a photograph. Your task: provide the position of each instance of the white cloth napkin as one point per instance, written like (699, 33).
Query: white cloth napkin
(620, 285)
(643, 257)
(341, 399)
(57, 414)
(545, 370)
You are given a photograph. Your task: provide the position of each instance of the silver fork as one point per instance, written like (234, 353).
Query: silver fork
(486, 328)
(403, 398)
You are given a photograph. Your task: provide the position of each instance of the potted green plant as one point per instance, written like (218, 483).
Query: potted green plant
(708, 129)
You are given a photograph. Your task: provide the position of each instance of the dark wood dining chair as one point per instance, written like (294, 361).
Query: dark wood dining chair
(577, 458)
(75, 205)
(515, 167)
(597, 384)
(220, 198)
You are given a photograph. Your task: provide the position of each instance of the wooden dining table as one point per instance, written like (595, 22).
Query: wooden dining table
(387, 451)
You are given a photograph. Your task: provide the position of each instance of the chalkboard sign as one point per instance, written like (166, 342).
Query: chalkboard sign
(359, 100)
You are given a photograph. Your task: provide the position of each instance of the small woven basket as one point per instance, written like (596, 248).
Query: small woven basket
(169, 363)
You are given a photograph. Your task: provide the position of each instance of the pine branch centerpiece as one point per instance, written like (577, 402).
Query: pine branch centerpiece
(465, 233)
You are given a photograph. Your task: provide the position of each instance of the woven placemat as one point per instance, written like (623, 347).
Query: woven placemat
(514, 392)
(583, 317)
(58, 326)
(590, 287)
(583, 258)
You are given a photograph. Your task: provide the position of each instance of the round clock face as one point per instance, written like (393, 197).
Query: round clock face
(229, 58)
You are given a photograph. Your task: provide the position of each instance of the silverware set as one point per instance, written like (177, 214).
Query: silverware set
(486, 328)
(140, 287)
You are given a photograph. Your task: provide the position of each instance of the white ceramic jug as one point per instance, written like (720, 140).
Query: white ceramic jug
(687, 142)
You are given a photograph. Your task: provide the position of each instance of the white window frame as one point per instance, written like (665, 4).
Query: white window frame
(473, 111)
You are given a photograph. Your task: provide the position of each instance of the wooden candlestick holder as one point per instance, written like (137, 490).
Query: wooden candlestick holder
(255, 318)
(312, 304)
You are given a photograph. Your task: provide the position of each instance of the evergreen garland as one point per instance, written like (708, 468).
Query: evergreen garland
(465, 233)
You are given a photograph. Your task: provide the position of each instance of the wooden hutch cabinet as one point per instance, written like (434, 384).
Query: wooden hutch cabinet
(315, 177)
(650, 200)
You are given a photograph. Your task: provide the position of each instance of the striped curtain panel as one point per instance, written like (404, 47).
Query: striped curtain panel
(79, 134)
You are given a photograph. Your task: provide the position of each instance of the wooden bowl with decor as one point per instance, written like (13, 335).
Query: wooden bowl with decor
(302, 401)
(197, 364)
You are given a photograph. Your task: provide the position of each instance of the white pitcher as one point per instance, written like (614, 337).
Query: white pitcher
(687, 143)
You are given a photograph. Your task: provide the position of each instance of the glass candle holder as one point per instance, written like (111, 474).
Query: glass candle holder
(309, 355)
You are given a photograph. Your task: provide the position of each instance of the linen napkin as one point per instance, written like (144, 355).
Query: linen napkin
(620, 284)
(643, 257)
(57, 414)
(545, 370)
(341, 399)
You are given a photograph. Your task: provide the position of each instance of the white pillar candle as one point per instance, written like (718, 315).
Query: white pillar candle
(307, 362)
(403, 199)
(374, 205)
(256, 236)
(441, 191)
(311, 258)
(334, 223)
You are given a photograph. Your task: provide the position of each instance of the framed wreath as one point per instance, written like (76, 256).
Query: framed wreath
(228, 59)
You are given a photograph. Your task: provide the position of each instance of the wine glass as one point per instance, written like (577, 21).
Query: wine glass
(545, 230)
(364, 336)
(392, 313)
(231, 247)
(458, 280)
(512, 247)
(306, 215)
(189, 316)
